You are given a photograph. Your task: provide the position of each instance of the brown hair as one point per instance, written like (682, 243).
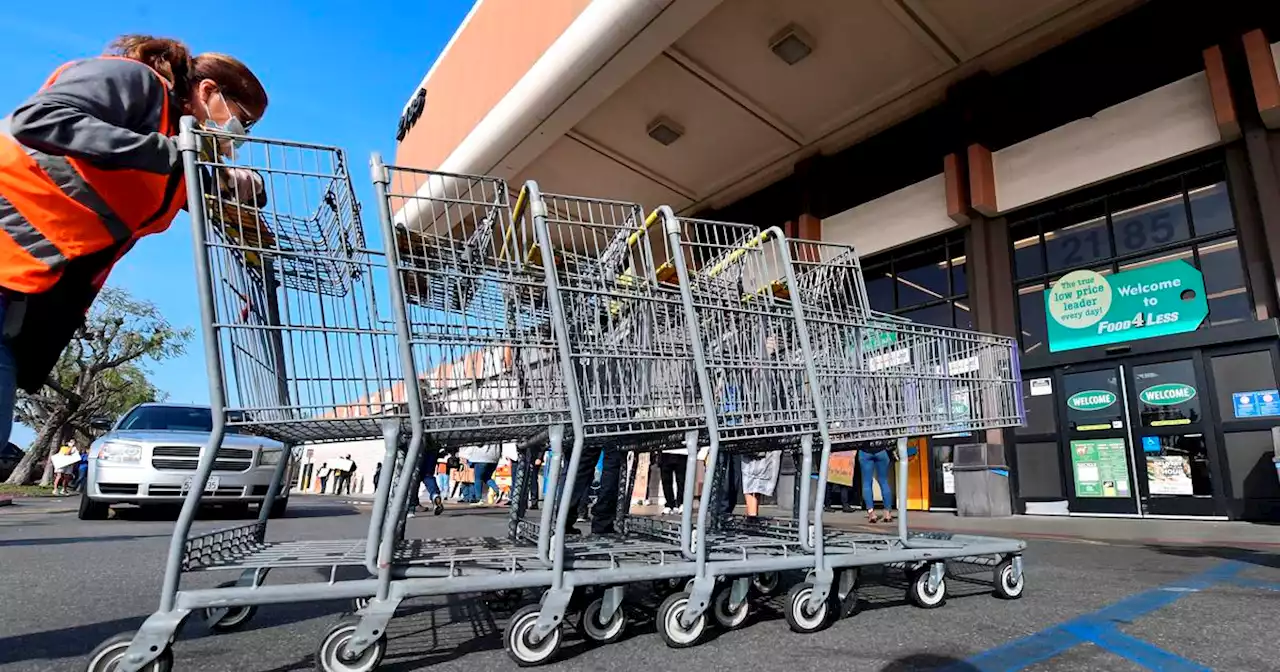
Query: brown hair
(235, 79)
(172, 59)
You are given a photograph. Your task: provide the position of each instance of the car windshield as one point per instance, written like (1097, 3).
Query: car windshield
(170, 418)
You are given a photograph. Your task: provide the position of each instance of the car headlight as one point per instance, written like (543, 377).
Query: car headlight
(270, 458)
(119, 451)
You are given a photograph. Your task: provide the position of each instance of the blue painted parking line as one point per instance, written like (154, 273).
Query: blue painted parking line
(1100, 628)
(1143, 653)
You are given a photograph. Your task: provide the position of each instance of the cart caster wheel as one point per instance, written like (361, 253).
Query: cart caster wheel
(110, 654)
(518, 638)
(665, 587)
(333, 655)
(358, 604)
(799, 617)
(601, 633)
(847, 598)
(232, 619)
(767, 584)
(1007, 588)
(918, 590)
(673, 632)
(729, 619)
(503, 600)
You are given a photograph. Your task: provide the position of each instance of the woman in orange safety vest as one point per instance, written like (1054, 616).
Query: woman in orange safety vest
(88, 166)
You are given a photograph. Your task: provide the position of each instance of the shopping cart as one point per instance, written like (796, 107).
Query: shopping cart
(743, 287)
(297, 349)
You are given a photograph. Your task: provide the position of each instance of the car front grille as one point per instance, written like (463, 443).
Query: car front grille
(117, 489)
(186, 458)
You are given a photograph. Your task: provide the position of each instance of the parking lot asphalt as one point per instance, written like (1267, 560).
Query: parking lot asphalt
(67, 585)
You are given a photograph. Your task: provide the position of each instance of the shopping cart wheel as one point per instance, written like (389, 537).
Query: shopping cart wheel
(519, 641)
(229, 619)
(673, 632)
(729, 619)
(767, 584)
(603, 633)
(333, 656)
(1007, 587)
(799, 616)
(504, 600)
(918, 592)
(110, 654)
(358, 604)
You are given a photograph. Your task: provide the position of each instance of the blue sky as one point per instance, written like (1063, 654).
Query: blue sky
(338, 73)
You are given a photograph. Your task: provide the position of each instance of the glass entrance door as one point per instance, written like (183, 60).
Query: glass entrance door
(1095, 424)
(1138, 439)
(1174, 445)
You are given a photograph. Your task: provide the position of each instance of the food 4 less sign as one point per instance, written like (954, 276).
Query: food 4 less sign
(1087, 309)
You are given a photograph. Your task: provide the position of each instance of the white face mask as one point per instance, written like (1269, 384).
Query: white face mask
(232, 126)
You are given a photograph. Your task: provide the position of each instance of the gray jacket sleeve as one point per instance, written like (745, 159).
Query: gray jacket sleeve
(102, 110)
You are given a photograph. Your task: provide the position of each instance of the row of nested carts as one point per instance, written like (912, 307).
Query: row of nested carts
(564, 326)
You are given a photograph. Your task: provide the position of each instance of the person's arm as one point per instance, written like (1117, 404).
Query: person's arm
(101, 110)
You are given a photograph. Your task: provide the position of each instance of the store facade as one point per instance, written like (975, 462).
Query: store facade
(1099, 179)
(1131, 252)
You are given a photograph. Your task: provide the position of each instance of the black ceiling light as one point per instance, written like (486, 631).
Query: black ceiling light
(791, 44)
(664, 130)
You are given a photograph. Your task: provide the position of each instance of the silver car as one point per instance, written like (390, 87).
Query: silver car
(149, 457)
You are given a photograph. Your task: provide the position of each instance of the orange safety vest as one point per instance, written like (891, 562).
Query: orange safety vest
(63, 221)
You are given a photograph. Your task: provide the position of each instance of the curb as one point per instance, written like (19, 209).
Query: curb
(6, 501)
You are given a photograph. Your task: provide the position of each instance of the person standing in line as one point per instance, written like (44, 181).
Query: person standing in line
(323, 475)
(672, 464)
(759, 478)
(377, 474)
(428, 456)
(453, 465)
(442, 477)
(347, 476)
(89, 165)
(874, 462)
(484, 461)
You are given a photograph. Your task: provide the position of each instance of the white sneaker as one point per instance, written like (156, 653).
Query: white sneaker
(412, 515)
(679, 510)
(666, 510)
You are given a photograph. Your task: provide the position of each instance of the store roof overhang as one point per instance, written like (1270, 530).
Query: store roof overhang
(740, 109)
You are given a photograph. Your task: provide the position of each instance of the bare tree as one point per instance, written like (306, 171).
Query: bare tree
(100, 374)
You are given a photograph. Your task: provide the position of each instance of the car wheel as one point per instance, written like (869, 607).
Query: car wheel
(91, 510)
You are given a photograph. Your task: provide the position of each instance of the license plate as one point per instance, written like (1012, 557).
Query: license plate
(211, 486)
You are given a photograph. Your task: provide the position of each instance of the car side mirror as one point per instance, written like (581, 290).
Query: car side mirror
(100, 424)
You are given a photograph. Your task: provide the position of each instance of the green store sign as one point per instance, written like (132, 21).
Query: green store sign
(1091, 400)
(1169, 394)
(1087, 309)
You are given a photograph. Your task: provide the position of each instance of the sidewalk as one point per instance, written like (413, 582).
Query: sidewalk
(1132, 531)
(1128, 531)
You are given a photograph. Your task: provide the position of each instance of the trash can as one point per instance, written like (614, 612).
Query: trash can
(982, 481)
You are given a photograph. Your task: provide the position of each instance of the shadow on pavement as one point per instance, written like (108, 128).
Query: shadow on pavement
(1250, 556)
(78, 641)
(928, 661)
(169, 513)
(58, 541)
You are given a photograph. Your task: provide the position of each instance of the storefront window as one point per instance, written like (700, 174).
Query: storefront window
(1186, 216)
(925, 283)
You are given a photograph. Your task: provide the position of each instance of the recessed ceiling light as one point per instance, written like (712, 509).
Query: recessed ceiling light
(664, 130)
(791, 44)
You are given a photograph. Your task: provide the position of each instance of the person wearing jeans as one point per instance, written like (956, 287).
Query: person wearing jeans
(428, 454)
(874, 462)
(483, 461)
